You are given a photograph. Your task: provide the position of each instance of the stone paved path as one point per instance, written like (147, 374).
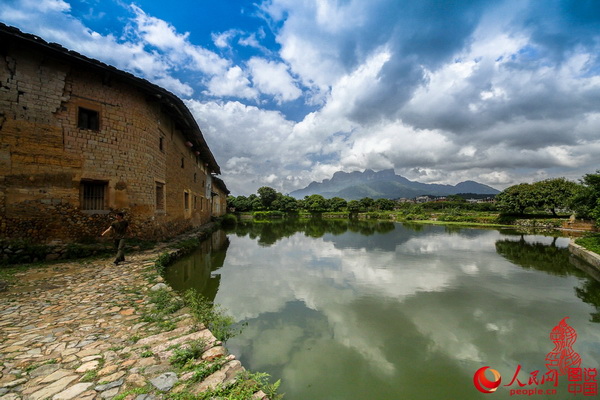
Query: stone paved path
(75, 331)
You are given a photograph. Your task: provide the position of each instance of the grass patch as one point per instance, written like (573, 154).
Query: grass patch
(207, 368)
(184, 355)
(165, 301)
(242, 389)
(146, 354)
(165, 304)
(142, 390)
(89, 376)
(211, 315)
(591, 243)
(37, 365)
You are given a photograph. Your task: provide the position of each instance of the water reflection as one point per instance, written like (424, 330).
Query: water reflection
(356, 310)
(196, 271)
(269, 232)
(555, 260)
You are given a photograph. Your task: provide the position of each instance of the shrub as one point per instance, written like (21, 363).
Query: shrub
(228, 220)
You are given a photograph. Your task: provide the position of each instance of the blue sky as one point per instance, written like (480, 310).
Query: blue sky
(290, 91)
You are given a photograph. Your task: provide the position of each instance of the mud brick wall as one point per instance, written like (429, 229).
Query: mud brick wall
(45, 157)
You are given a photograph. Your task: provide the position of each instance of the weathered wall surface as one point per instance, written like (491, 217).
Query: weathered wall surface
(45, 156)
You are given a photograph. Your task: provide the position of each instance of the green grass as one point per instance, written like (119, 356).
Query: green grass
(591, 243)
(211, 315)
(182, 356)
(165, 304)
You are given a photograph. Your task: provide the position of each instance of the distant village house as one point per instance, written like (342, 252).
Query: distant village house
(80, 139)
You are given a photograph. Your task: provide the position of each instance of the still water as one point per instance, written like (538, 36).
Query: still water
(354, 310)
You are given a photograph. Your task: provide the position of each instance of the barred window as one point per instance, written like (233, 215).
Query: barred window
(93, 195)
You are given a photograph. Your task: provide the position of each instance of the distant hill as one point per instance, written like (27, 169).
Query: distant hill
(384, 184)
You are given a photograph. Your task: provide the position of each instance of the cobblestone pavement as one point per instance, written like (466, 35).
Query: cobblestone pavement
(75, 330)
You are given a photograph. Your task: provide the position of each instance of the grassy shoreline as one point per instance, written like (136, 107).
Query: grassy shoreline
(590, 242)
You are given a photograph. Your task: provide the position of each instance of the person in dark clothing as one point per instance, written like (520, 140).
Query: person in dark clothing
(119, 230)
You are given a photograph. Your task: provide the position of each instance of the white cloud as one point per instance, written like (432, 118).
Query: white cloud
(234, 83)
(273, 78)
(223, 39)
(177, 48)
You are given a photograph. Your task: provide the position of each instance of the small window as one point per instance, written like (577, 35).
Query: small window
(186, 200)
(195, 202)
(88, 119)
(201, 204)
(161, 143)
(195, 177)
(93, 195)
(160, 196)
(182, 163)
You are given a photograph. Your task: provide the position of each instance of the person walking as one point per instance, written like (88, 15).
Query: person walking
(119, 230)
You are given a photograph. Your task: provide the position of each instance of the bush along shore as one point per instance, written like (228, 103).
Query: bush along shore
(452, 216)
(91, 330)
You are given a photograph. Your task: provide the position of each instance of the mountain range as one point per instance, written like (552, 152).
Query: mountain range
(384, 184)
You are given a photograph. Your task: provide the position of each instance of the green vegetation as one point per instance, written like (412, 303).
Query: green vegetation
(228, 220)
(183, 356)
(586, 201)
(89, 376)
(550, 194)
(591, 242)
(165, 303)
(540, 202)
(241, 389)
(136, 391)
(211, 315)
(31, 367)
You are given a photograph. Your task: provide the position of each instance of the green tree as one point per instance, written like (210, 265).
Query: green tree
(384, 204)
(366, 203)
(267, 196)
(254, 203)
(240, 203)
(516, 198)
(555, 193)
(337, 204)
(315, 203)
(285, 203)
(353, 206)
(586, 201)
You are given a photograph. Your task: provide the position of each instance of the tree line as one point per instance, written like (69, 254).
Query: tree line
(552, 195)
(268, 199)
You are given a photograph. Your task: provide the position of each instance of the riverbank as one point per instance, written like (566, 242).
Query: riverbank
(88, 330)
(588, 256)
(478, 219)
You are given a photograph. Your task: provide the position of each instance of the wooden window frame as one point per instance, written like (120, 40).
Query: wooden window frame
(85, 122)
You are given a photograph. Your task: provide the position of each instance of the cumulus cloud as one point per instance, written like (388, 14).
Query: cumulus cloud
(498, 92)
(272, 78)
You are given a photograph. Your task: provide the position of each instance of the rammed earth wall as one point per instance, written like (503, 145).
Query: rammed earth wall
(146, 151)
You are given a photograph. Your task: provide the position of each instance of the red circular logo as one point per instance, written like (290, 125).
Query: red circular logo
(483, 384)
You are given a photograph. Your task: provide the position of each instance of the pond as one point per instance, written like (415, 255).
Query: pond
(355, 310)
